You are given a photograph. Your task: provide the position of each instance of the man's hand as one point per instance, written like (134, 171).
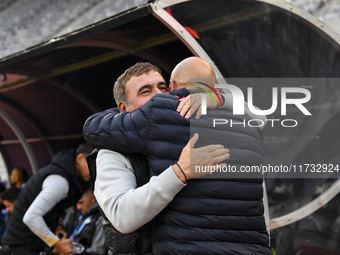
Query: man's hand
(210, 155)
(192, 103)
(63, 246)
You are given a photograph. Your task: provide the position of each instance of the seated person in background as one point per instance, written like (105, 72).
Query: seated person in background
(3, 211)
(18, 177)
(9, 197)
(88, 229)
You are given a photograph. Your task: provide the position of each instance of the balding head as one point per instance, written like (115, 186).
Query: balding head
(192, 67)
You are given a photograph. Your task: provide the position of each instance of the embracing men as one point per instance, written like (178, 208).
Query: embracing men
(202, 216)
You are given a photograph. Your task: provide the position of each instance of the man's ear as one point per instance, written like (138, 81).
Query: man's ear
(122, 107)
(80, 158)
(173, 85)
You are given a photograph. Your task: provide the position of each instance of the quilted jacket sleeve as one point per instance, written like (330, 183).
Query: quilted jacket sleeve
(122, 132)
(127, 132)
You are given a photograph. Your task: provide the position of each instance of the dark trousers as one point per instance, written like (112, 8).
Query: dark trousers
(26, 250)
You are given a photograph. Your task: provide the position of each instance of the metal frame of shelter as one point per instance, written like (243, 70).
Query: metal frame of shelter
(168, 20)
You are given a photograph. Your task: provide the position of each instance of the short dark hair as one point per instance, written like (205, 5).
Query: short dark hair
(84, 148)
(136, 70)
(2, 187)
(10, 194)
(90, 189)
(23, 176)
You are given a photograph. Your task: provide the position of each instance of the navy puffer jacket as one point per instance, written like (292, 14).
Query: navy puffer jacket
(209, 216)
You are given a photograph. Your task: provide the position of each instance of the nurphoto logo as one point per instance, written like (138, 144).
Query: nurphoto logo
(239, 103)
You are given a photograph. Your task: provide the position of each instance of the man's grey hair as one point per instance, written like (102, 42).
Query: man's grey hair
(138, 69)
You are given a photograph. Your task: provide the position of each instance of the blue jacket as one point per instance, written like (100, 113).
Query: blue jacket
(209, 216)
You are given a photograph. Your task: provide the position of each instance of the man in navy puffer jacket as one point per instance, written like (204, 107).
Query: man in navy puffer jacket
(128, 197)
(208, 216)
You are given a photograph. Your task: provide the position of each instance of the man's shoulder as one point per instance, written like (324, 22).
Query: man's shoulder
(160, 101)
(109, 155)
(65, 157)
(223, 113)
(165, 100)
(182, 92)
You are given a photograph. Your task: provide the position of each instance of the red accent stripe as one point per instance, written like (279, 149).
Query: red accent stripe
(168, 10)
(192, 32)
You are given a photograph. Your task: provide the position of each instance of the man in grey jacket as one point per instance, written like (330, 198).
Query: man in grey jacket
(88, 229)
